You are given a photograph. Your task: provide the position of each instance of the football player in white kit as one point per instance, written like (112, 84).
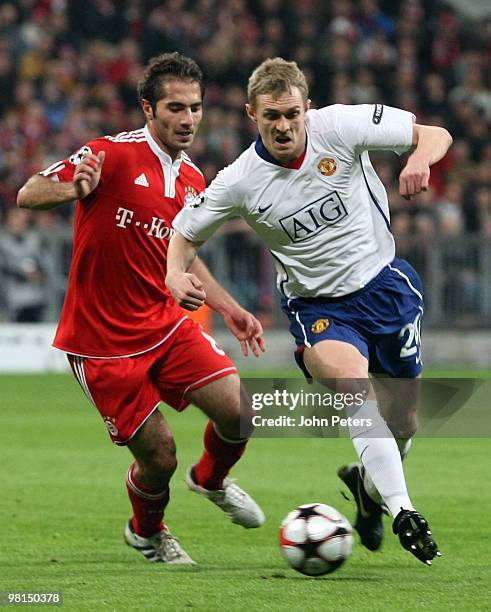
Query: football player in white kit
(307, 187)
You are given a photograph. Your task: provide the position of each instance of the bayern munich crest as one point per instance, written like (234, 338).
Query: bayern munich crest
(111, 426)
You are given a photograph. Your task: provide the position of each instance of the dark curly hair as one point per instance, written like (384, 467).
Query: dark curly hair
(164, 67)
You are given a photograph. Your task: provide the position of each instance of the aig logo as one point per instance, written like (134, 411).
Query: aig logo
(314, 218)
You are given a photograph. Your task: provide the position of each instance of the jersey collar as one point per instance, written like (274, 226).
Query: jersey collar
(263, 153)
(164, 157)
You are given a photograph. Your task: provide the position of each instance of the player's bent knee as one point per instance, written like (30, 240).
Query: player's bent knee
(237, 421)
(161, 462)
(352, 381)
(402, 422)
(231, 425)
(154, 448)
(403, 430)
(227, 403)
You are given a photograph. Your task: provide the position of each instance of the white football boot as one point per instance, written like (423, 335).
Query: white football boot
(232, 500)
(162, 547)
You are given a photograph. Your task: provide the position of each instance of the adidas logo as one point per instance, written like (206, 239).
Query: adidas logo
(142, 180)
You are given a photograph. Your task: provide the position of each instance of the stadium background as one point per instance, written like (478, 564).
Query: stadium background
(68, 72)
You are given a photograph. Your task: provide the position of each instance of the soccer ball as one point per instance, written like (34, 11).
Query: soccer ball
(316, 539)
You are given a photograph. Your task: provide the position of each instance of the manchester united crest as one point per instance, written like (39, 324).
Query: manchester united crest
(327, 166)
(320, 325)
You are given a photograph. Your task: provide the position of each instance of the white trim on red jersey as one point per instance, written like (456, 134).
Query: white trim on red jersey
(56, 167)
(116, 291)
(170, 167)
(176, 326)
(187, 160)
(78, 367)
(134, 136)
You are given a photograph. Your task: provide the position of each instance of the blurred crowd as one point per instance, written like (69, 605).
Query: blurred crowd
(69, 70)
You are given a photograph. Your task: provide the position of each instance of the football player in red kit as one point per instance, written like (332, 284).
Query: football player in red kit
(128, 343)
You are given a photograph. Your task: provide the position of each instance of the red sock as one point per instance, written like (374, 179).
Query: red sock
(148, 506)
(217, 459)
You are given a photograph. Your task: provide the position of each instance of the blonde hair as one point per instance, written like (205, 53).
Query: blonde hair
(276, 76)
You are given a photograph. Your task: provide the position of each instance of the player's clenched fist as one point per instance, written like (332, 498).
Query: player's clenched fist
(186, 289)
(414, 178)
(88, 174)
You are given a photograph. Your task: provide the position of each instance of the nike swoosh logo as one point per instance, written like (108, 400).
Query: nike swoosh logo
(262, 209)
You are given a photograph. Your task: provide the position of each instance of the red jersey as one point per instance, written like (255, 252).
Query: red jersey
(117, 303)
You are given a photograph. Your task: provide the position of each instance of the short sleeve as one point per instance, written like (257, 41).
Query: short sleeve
(366, 127)
(199, 219)
(64, 169)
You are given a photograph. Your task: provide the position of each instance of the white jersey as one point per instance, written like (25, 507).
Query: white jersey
(327, 222)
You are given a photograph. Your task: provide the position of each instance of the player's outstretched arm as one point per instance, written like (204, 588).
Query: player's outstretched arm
(191, 289)
(243, 324)
(42, 193)
(432, 143)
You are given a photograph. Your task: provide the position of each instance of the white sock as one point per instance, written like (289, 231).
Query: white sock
(378, 451)
(404, 445)
(371, 489)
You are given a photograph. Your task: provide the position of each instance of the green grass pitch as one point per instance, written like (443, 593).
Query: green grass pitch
(63, 508)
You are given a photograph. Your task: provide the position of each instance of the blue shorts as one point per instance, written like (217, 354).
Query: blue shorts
(382, 320)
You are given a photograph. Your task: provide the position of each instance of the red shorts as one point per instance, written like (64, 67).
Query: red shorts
(126, 390)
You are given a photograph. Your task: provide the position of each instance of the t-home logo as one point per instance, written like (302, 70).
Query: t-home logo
(314, 217)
